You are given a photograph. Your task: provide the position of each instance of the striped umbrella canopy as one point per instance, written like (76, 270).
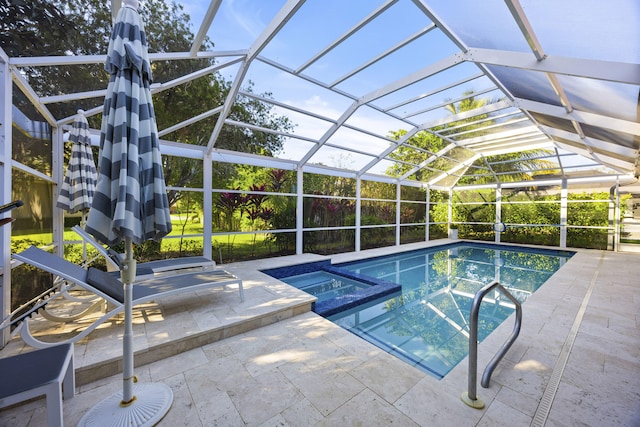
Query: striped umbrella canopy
(131, 198)
(76, 191)
(130, 202)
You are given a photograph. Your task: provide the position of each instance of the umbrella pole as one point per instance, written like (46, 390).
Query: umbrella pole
(128, 274)
(151, 401)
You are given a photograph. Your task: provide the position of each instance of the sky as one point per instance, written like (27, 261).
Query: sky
(319, 22)
(239, 22)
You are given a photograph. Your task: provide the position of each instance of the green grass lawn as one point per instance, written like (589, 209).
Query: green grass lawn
(228, 248)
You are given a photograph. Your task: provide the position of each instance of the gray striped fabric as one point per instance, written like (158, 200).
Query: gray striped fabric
(131, 197)
(76, 191)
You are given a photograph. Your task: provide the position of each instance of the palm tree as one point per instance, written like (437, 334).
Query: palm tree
(515, 166)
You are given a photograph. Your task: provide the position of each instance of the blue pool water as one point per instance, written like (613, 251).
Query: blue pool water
(324, 285)
(416, 304)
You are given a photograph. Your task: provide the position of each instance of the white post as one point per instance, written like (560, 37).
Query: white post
(398, 210)
(299, 211)
(563, 214)
(450, 232)
(498, 211)
(358, 232)
(616, 219)
(427, 217)
(207, 205)
(5, 191)
(57, 167)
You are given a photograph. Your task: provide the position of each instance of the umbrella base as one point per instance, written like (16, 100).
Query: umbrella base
(152, 403)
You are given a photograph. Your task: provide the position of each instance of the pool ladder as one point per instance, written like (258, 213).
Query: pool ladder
(469, 397)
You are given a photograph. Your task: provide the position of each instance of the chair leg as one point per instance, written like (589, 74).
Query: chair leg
(54, 405)
(241, 292)
(69, 380)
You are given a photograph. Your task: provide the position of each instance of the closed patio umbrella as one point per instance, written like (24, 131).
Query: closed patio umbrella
(76, 191)
(130, 202)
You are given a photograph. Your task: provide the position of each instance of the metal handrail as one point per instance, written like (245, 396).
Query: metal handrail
(469, 397)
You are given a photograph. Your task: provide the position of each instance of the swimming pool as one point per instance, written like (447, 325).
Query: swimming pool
(324, 285)
(424, 319)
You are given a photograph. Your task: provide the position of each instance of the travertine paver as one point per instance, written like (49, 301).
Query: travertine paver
(304, 370)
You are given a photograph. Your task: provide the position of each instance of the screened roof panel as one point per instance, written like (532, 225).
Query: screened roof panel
(313, 128)
(563, 28)
(604, 157)
(554, 122)
(514, 177)
(354, 140)
(489, 129)
(295, 149)
(374, 121)
(490, 78)
(443, 164)
(479, 167)
(596, 132)
(431, 149)
(499, 138)
(70, 77)
(618, 138)
(380, 67)
(194, 133)
(460, 154)
(440, 80)
(403, 157)
(447, 181)
(373, 47)
(475, 179)
(248, 20)
(488, 120)
(382, 166)
(527, 84)
(584, 160)
(566, 28)
(339, 158)
(291, 48)
(469, 21)
(308, 95)
(428, 174)
(611, 99)
(602, 147)
(444, 101)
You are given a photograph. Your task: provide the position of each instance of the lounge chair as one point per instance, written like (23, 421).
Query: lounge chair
(108, 286)
(46, 372)
(164, 266)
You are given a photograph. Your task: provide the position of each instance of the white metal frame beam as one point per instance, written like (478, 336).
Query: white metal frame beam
(212, 10)
(525, 26)
(621, 72)
(592, 119)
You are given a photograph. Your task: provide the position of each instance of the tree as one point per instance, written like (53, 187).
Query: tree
(28, 26)
(418, 148)
(83, 27)
(514, 166)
